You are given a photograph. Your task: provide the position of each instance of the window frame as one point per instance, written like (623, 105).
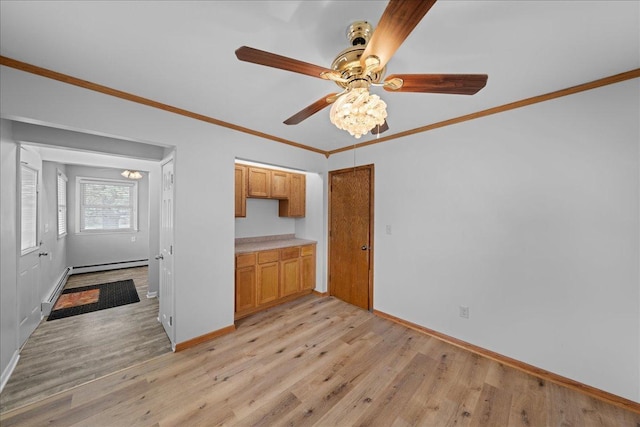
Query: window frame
(62, 204)
(81, 180)
(35, 210)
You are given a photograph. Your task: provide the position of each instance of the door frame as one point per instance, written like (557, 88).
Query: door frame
(371, 168)
(30, 158)
(171, 333)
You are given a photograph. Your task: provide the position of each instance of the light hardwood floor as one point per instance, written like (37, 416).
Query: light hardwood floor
(320, 361)
(64, 353)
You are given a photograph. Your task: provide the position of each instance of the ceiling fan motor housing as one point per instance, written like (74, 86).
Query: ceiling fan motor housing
(359, 33)
(348, 61)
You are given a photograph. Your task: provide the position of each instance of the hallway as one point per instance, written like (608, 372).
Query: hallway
(64, 353)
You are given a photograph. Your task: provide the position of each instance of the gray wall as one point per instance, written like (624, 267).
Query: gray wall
(8, 252)
(102, 248)
(529, 218)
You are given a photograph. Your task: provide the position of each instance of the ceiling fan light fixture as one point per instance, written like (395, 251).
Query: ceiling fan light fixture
(131, 174)
(358, 112)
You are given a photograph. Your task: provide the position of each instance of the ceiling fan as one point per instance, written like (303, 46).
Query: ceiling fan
(363, 65)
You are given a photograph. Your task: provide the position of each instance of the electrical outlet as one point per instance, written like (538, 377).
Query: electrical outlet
(389, 229)
(464, 311)
(133, 238)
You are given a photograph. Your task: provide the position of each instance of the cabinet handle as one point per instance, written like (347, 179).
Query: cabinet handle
(158, 257)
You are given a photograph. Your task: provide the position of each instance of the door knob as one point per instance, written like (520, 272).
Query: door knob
(159, 256)
(364, 247)
(43, 253)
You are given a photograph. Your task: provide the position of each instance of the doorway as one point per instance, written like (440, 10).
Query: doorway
(30, 242)
(351, 235)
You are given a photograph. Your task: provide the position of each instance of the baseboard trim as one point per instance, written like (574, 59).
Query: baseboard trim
(521, 366)
(6, 374)
(320, 294)
(204, 338)
(109, 266)
(47, 304)
(152, 294)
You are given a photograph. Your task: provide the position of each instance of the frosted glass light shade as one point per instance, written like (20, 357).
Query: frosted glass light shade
(358, 112)
(131, 174)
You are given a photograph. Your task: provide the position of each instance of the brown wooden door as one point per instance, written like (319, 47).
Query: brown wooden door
(351, 235)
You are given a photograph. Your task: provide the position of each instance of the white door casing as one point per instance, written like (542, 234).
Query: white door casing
(167, 315)
(29, 212)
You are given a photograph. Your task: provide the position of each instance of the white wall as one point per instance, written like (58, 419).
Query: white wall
(89, 249)
(53, 265)
(8, 253)
(205, 154)
(531, 219)
(262, 220)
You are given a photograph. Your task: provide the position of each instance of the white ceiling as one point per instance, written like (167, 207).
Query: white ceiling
(181, 53)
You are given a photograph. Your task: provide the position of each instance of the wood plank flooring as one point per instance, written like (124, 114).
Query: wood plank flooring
(64, 353)
(319, 361)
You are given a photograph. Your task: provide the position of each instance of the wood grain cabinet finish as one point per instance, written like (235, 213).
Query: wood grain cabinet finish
(289, 188)
(259, 183)
(268, 282)
(289, 271)
(271, 277)
(308, 267)
(294, 205)
(241, 191)
(280, 184)
(245, 282)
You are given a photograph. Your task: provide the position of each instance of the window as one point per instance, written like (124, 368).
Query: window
(107, 205)
(28, 208)
(62, 204)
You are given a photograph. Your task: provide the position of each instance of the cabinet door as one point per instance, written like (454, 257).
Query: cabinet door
(241, 191)
(290, 276)
(259, 182)
(294, 206)
(245, 288)
(279, 184)
(308, 266)
(268, 280)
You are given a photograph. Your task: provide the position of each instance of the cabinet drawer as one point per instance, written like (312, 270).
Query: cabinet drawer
(288, 253)
(245, 260)
(267, 256)
(306, 250)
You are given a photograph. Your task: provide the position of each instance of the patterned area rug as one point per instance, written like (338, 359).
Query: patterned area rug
(86, 299)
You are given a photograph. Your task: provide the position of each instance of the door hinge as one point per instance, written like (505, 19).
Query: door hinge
(170, 320)
(172, 178)
(170, 249)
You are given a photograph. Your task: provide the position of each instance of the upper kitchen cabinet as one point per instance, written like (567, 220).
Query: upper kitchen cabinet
(259, 182)
(241, 191)
(280, 184)
(288, 187)
(294, 205)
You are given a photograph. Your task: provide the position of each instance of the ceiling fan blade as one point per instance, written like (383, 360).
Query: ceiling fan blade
(396, 23)
(269, 59)
(309, 111)
(457, 84)
(377, 130)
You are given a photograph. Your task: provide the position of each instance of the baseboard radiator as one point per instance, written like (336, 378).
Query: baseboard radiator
(47, 305)
(110, 266)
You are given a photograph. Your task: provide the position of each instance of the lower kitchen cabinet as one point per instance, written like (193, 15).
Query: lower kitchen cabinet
(245, 282)
(268, 278)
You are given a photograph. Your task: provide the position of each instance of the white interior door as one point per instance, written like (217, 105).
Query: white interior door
(167, 316)
(29, 308)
